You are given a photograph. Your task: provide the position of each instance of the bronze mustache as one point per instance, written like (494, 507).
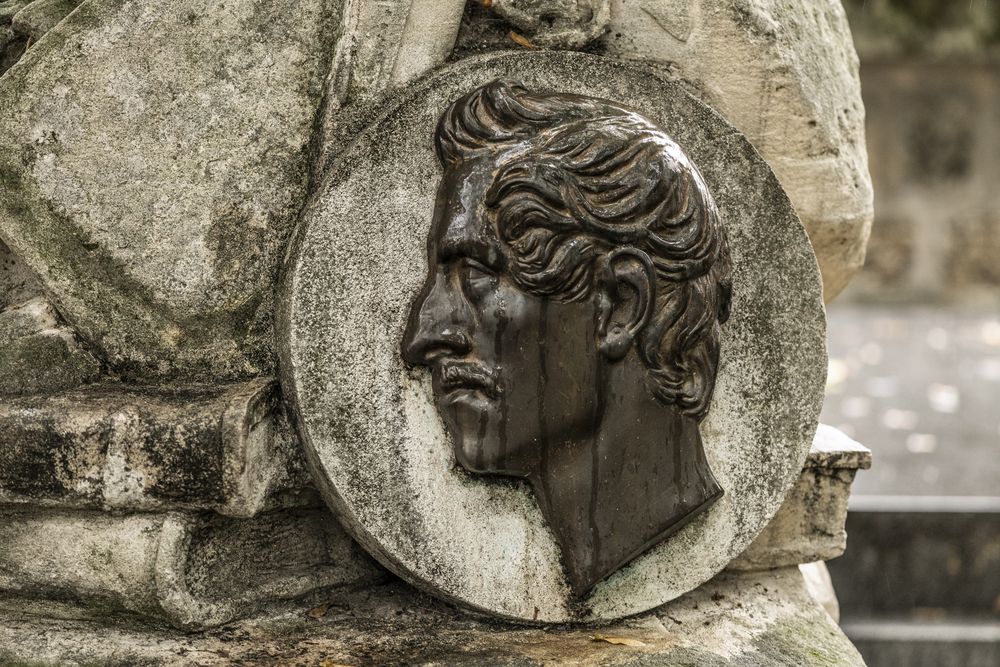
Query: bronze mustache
(469, 375)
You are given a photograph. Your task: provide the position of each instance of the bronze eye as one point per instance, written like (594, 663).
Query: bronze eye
(477, 280)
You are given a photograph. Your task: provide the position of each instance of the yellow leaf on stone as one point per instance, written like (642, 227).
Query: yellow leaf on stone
(319, 612)
(621, 641)
(520, 40)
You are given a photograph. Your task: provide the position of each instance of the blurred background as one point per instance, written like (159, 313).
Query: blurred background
(915, 341)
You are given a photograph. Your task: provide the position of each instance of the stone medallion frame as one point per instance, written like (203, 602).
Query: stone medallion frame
(375, 442)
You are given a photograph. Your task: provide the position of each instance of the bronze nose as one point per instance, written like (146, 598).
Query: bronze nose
(439, 323)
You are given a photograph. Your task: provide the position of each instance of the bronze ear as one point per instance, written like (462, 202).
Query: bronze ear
(625, 274)
(615, 343)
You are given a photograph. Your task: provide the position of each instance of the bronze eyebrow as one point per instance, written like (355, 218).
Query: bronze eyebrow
(489, 254)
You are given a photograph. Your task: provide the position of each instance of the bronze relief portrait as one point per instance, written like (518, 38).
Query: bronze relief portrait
(578, 279)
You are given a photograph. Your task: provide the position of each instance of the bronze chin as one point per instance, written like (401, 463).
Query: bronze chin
(578, 279)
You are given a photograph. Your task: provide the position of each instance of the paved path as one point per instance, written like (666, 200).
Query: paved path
(919, 386)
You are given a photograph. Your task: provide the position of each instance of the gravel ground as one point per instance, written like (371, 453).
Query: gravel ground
(920, 387)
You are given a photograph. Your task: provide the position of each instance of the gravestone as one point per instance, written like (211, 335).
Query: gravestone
(423, 331)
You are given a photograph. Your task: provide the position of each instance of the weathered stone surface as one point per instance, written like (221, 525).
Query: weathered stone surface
(393, 42)
(191, 570)
(381, 45)
(736, 620)
(12, 44)
(24, 22)
(39, 354)
(8, 8)
(31, 317)
(561, 24)
(832, 449)
(786, 75)
(40, 16)
(17, 283)
(153, 157)
(137, 449)
(376, 441)
(810, 524)
(768, 550)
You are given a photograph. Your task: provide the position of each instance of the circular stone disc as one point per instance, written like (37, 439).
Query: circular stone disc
(378, 448)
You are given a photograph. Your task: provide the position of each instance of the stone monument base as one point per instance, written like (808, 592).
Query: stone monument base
(737, 619)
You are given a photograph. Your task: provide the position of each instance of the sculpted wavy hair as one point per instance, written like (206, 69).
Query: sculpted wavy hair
(580, 177)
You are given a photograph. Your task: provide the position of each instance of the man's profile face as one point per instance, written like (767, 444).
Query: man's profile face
(513, 373)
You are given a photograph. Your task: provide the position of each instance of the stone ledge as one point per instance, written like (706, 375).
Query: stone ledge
(124, 448)
(190, 570)
(834, 450)
(231, 451)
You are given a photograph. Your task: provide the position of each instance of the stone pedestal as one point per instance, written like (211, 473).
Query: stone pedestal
(79, 584)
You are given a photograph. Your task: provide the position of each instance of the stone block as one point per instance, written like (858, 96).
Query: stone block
(153, 159)
(40, 16)
(17, 283)
(190, 570)
(785, 75)
(38, 353)
(564, 24)
(809, 526)
(141, 449)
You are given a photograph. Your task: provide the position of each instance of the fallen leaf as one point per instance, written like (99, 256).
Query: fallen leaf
(320, 611)
(330, 663)
(520, 39)
(621, 641)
